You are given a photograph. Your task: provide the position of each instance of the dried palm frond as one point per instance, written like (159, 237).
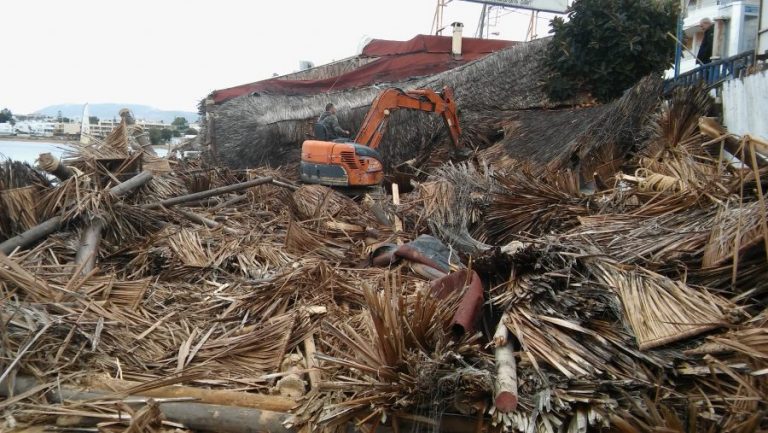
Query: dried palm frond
(735, 231)
(660, 310)
(534, 205)
(397, 367)
(302, 240)
(20, 185)
(452, 204)
(117, 140)
(317, 202)
(656, 242)
(187, 246)
(678, 119)
(17, 174)
(19, 210)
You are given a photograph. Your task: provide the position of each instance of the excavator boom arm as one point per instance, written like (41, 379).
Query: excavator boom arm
(372, 129)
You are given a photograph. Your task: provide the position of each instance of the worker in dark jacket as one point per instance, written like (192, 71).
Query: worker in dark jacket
(705, 49)
(331, 123)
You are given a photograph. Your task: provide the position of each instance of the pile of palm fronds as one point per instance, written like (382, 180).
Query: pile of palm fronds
(614, 294)
(20, 185)
(638, 304)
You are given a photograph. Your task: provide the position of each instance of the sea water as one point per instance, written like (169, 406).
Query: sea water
(28, 151)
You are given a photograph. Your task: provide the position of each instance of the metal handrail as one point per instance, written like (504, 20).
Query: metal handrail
(714, 72)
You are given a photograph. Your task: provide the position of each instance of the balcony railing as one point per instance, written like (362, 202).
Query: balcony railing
(714, 72)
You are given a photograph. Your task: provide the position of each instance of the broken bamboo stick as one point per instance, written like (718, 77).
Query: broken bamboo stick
(309, 352)
(501, 336)
(231, 202)
(209, 193)
(206, 222)
(85, 259)
(505, 397)
(31, 235)
(222, 397)
(396, 202)
(54, 166)
(129, 185)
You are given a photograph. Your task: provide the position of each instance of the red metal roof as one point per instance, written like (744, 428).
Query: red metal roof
(397, 61)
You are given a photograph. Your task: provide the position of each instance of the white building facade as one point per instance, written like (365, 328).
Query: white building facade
(736, 29)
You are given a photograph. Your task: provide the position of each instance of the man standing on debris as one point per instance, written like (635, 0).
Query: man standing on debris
(705, 49)
(331, 123)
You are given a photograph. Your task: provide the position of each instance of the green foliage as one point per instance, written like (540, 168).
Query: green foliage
(6, 116)
(180, 123)
(155, 136)
(190, 131)
(160, 136)
(608, 45)
(93, 120)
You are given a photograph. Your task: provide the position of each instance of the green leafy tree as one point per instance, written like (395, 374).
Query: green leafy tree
(608, 45)
(190, 131)
(93, 120)
(180, 123)
(6, 116)
(155, 136)
(166, 134)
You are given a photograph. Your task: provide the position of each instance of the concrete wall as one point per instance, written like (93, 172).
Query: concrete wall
(745, 105)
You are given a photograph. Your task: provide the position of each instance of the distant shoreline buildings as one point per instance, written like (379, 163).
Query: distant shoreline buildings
(44, 126)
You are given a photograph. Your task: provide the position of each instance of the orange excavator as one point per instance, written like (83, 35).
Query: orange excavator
(357, 163)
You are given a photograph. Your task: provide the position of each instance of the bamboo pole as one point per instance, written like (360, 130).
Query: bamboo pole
(222, 397)
(54, 166)
(32, 235)
(209, 193)
(131, 184)
(85, 259)
(89, 248)
(194, 416)
(206, 222)
(231, 202)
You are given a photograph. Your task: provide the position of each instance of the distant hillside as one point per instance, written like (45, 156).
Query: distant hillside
(109, 111)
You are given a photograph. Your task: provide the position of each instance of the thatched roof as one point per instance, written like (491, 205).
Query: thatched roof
(588, 139)
(267, 129)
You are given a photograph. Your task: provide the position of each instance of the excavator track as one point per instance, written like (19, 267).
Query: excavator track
(376, 192)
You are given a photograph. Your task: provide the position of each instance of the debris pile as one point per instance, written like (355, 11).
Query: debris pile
(621, 284)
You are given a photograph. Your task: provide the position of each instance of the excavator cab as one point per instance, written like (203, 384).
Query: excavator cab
(340, 164)
(357, 163)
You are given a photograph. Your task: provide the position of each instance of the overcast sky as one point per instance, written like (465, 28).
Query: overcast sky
(171, 53)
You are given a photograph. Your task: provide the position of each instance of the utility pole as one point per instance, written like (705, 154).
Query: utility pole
(481, 24)
(437, 20)
(532, 24)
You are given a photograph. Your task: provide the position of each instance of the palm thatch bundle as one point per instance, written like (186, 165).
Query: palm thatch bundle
(526, 204)
(317, 202)
(20, 185)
